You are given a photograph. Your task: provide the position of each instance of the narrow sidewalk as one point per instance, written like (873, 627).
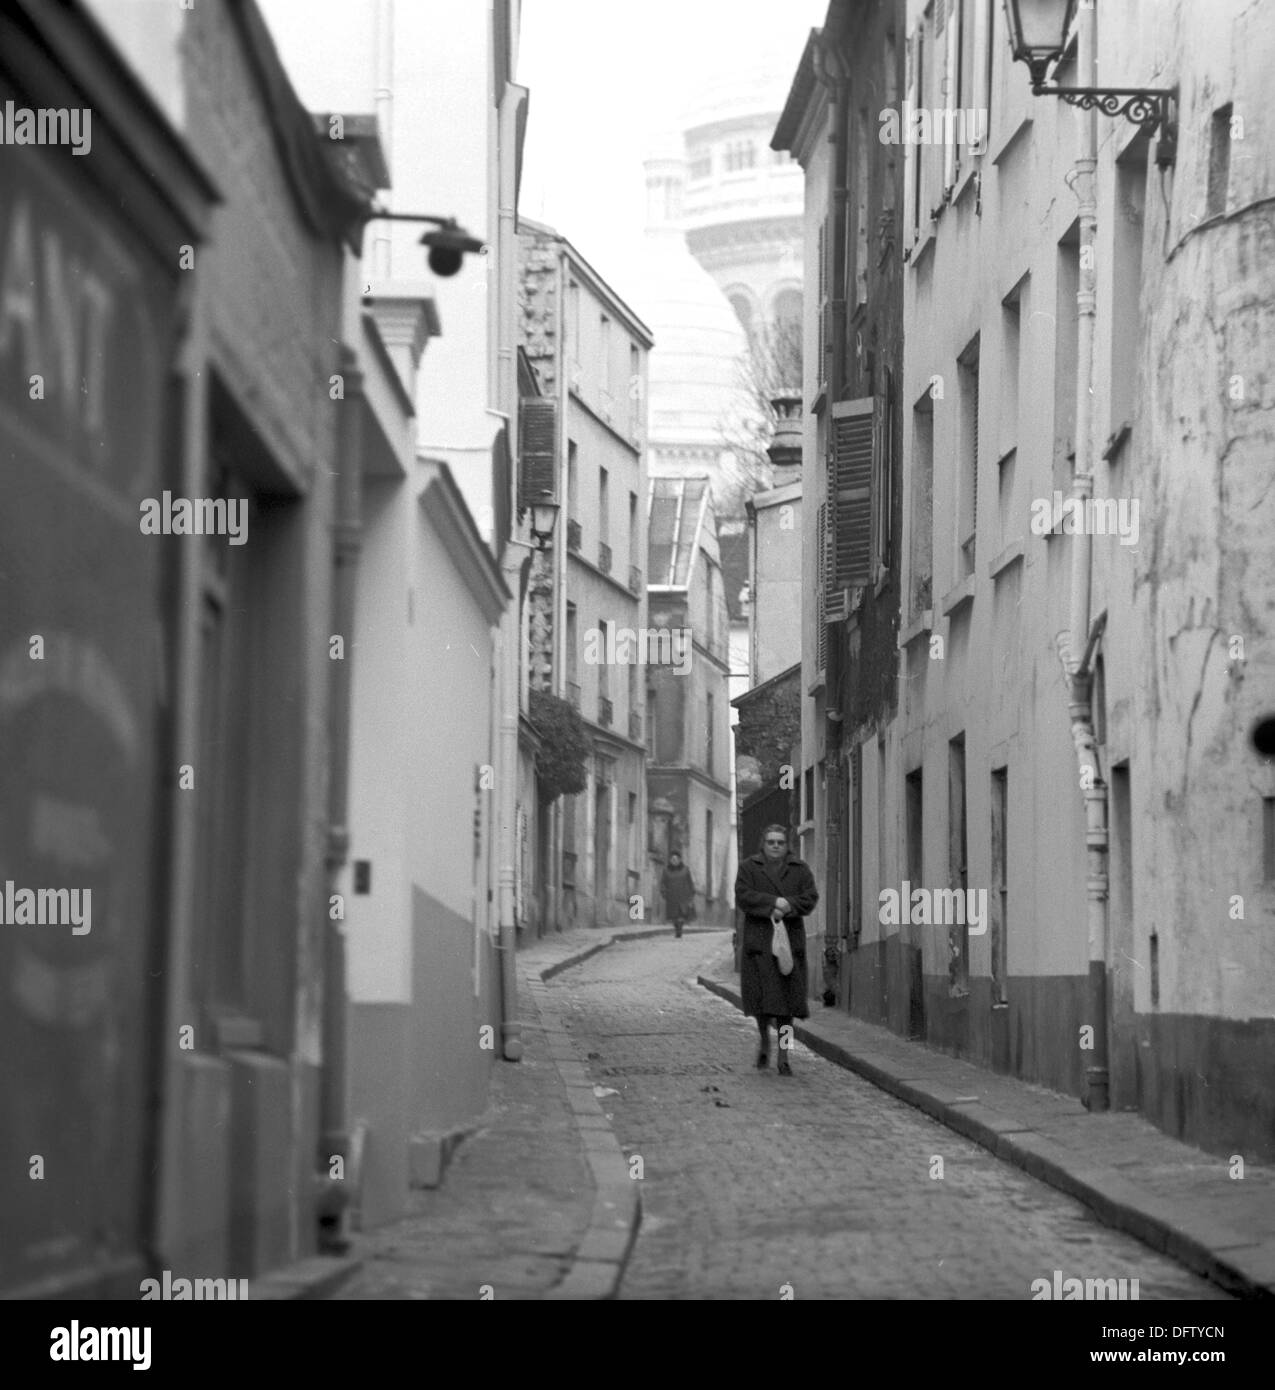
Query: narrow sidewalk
(1134, 1177)
(537, 1202)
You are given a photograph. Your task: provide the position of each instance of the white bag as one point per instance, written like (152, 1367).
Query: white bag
(779, 946)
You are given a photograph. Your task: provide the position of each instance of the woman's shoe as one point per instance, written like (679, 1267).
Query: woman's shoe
(763, 1060)
(783, 1068)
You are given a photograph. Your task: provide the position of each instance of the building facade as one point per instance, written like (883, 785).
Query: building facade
(688, 697)
(1073, 701)
(589, 353)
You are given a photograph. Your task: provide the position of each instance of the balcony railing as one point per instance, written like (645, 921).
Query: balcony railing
(573, 693)
(604, 557)
(606, 712)
(635, 581)
(574, 534)
(635, 726)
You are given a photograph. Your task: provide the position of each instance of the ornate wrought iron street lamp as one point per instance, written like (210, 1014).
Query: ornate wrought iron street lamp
(1038, 31)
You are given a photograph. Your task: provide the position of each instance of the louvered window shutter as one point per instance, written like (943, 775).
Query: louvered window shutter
(911, 152)
(538, 450)
(823, 302)
(852, 484)
(821, 557)
(951, 49)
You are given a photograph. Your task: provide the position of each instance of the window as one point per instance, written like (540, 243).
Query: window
(1007, 444)
(853, 487)
(884, 456)
(808, 805)
(913, 171)
(573, 483)
(604, 502)
(821, 584)
(1126, 292)
(786, 354)
(922, 538)
(573, 319)
(967, 453)
(708, 857)
(958, 936)
(604, 666)
(701, 162)
(573, 657)
(856, 843)
(914, 808)
(860, 175)
(1066, 324)
(635, 389)
(604, 355)
(999, 904)
(739, 155)
(708, 733)
(634, 533)
(1219, 161)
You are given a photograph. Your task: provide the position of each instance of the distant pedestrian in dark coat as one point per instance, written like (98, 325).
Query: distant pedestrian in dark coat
(678, 889)
(774, 885)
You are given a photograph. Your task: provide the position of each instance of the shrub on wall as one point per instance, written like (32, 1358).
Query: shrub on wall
(563, 757)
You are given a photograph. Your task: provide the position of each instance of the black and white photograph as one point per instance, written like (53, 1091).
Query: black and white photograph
(637, 664)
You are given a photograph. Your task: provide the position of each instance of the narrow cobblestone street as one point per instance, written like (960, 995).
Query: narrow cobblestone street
(820, 1181)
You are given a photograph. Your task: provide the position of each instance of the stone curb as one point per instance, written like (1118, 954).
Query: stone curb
(597, 1265)
(316, 1278)
(1221, 1256)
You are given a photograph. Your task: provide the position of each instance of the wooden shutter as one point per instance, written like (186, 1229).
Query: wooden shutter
(538, 450)
(822, 361)
(911, 152)
(950, 49)
(851, 485)
(821, 558)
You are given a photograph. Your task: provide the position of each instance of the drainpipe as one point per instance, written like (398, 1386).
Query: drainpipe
(1077, 647)
(831, 71)
(335, 1197)
(506, 268)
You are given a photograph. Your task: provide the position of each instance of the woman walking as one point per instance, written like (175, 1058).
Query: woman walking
(774, 886)
(678, 889)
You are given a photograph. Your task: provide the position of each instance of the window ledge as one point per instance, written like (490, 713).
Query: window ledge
(816, 684)
(1116, 443)
(958, 596)
(1012, 553)
(1008, 143)
(922, 624)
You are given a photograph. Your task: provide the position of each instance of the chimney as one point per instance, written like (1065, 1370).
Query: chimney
(785, 445)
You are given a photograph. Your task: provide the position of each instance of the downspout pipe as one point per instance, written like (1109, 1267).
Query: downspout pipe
(831, 70)
(336, 1194)
(1078, 646)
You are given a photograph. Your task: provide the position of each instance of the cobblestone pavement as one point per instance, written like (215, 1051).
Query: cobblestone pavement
(821, 1181)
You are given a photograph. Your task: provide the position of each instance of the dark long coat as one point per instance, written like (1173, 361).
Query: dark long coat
(757, 887)
(678, 888)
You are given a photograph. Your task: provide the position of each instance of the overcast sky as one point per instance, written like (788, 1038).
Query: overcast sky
(606, 77)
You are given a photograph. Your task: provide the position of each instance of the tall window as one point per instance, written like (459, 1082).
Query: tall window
(709, 876)
(634, 551)
(967, 503)
(604, 504)
(922, 538)
(999, 905)
(573, 482)
(1011, 374)
(708, 736)
(1066, 324)
(701, 162)
(958, 936)
(1126, 315)
(573, 657)
(635, 389)
(738, 155)
(604, 355)
(1219, 161)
